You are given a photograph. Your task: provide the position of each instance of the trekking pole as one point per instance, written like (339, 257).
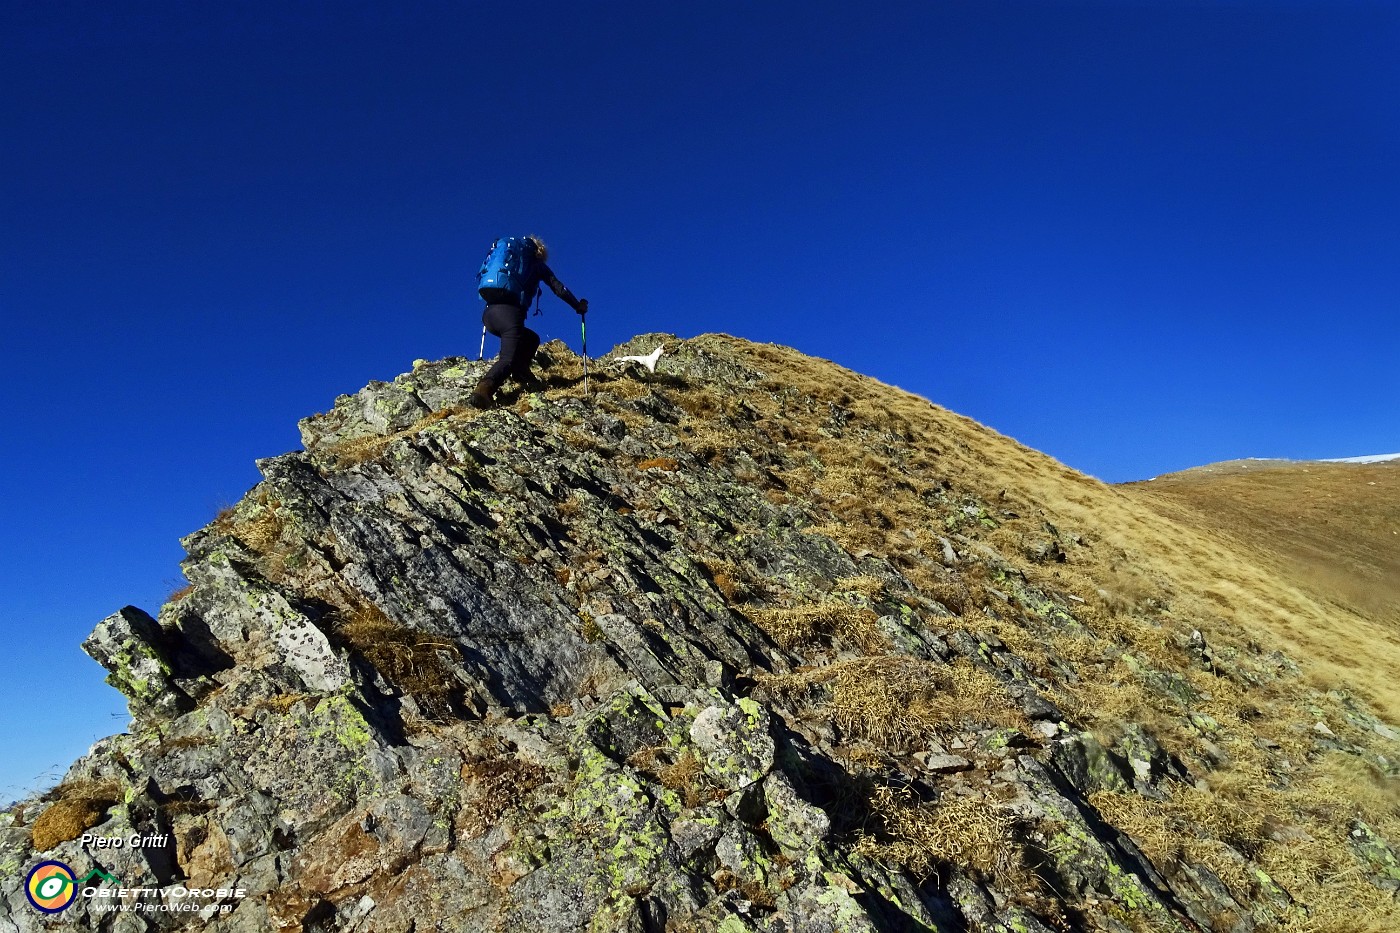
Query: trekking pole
(583, 332)
(481, 354)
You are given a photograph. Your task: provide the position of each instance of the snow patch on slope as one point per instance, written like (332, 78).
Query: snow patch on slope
(1373, 458)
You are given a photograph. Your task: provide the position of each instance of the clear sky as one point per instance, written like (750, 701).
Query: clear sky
(1139, 236)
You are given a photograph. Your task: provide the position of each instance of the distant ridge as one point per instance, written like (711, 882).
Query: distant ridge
(1331, 525)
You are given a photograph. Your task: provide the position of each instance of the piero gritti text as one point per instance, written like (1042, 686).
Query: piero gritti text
(133, 841)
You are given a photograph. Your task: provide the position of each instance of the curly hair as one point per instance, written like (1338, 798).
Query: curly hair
(541, 251)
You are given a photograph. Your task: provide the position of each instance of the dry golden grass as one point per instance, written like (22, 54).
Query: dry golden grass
(262, 531)
(581, 441)
(897, 702)
(896, 451)
(78, 806)
(1193, 824)
(279, 703)
(1333, 532)
(1296, 836)
(1358, 788)
(258, 523)
(918, 835)
(1334, 526)
(665, 464)
(494, 787)
(410, 660)
(733, 582)
(751, 891)
(867, 586)
(817, 622)
(734, 592)
(684, 774)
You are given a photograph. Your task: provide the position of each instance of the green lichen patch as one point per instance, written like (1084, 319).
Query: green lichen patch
(336, 716)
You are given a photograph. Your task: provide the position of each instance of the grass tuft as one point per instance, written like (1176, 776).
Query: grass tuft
(812, 624)
(919, 836)
(899, 702)
(684, 774)
(414, 662)
(78, 806)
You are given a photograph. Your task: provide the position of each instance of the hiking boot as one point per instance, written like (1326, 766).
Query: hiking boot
(483, 393)
(530, 383)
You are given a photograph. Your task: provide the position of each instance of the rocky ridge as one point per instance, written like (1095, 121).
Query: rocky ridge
(662, 659)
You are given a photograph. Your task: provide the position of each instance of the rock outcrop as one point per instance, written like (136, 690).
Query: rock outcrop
(711, 649)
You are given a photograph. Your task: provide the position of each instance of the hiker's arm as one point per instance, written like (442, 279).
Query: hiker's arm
(556, 286)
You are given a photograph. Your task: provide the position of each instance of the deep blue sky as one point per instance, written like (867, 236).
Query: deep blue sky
(1138, 236)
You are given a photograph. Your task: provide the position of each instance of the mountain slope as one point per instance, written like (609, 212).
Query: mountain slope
(1332, 528)
(752, 643)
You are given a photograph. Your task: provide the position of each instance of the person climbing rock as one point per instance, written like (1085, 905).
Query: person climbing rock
(508, 281)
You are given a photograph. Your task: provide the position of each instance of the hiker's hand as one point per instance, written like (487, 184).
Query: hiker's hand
(583, 306)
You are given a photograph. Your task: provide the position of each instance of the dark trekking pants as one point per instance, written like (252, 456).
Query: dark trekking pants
(518, 342)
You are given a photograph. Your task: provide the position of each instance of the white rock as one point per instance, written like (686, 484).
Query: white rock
(943, 764)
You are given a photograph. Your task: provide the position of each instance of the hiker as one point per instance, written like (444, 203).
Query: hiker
(508, 281)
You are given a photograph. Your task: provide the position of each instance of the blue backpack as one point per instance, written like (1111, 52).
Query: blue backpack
(508, 274)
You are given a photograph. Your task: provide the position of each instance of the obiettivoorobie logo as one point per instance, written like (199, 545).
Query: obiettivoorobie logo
(52, 887)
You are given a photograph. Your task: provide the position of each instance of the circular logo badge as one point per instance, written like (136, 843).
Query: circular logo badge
(50, 887)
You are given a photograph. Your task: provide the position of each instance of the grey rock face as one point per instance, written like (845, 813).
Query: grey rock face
(1087, 765)
(738, 750)
(575, 664)
(132, 647)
